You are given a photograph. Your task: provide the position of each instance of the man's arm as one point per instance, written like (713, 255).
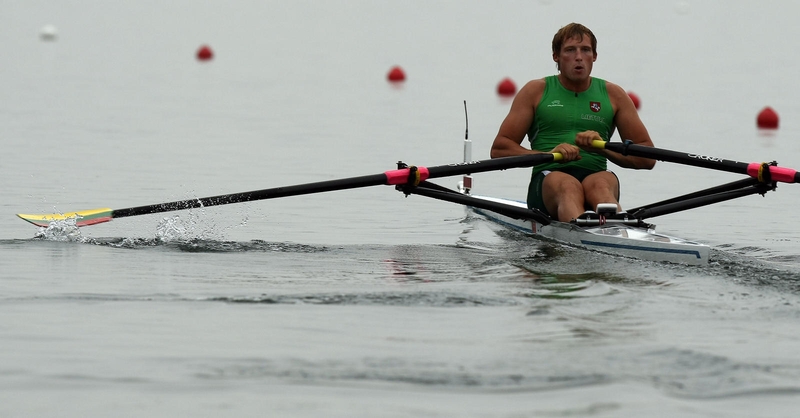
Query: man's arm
(630, 127)
(519, 119)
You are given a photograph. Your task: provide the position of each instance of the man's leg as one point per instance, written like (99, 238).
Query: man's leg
(601, 187)
(563, 196)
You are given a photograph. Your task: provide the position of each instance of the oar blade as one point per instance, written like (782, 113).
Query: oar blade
(82, 218)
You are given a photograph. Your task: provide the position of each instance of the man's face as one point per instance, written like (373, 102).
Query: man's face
(576, 58)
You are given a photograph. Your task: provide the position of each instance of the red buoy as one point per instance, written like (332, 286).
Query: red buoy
(634, 99)
(205, 53)
(767, 119)
(396, 74)
(506, 87)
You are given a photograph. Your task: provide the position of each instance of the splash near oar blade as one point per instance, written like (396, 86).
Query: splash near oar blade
(82, 218)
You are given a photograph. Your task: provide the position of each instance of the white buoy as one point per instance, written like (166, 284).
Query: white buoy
(48, 33)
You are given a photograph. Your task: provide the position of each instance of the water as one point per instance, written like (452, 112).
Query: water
(363, 302)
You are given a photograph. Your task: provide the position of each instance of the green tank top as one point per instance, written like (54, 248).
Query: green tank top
(561, 114)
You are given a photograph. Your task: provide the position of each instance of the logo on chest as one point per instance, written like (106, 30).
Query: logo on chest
(594, 106)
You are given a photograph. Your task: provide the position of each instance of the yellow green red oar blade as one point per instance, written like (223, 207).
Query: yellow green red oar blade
(82, 218)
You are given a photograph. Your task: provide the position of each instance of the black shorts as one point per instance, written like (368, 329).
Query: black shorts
(535, 199)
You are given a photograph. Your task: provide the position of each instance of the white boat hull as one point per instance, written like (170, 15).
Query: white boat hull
(631, 241)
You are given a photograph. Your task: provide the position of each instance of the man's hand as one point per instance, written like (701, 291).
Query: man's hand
(584, 140)
(568, 151)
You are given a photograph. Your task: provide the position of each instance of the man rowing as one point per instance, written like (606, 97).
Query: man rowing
(564, 113)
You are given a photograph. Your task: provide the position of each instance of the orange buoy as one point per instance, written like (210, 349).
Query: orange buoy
(634, 99)
(396, 74)
(205, 53)
(506, 87)
(767, 119)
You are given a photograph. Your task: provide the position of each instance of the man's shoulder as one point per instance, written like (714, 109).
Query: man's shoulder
(615, 91)
(538, 83)
(612, 88)
(531, 93)
(534, 88)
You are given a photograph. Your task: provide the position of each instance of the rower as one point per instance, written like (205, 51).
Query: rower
(564, 114)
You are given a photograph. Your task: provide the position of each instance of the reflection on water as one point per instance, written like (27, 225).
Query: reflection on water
(566, 286)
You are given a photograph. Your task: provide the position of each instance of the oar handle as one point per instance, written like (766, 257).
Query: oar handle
(598, 143)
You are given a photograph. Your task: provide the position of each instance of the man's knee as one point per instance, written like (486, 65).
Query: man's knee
(557, 183)
(601, 186)
(602, 180)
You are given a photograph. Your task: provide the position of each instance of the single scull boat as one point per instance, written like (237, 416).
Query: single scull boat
(627, 234)
(606, 231)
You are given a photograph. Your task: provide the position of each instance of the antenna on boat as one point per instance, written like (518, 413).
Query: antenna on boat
(466, 183)
(466, 120)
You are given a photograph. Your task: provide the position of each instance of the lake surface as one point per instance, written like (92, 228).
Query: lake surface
(364, 302)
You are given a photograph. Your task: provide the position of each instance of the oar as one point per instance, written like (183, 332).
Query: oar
(756, 170)
(411, 175)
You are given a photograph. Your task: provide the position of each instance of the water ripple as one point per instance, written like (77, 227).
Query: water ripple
(198, 245)
(397, 370)
(694, 374)
(434, 299)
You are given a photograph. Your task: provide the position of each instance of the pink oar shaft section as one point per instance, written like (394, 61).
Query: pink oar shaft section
(783, 174)
(400, 176)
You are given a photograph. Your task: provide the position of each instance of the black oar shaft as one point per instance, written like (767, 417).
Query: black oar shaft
(774, 173)
(520, 161)
(318, 187)
(696, 160)
(393, 177)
